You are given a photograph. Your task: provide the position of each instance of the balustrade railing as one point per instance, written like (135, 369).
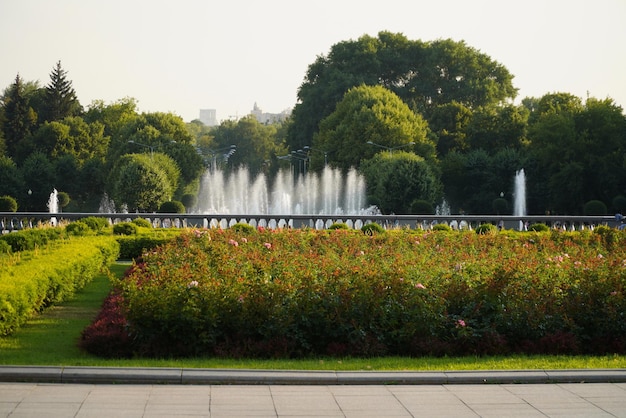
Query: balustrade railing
(12, 221)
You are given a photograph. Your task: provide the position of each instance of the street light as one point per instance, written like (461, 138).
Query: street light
(318, 150)
(302, 157)
(390, 149)
(143, 145)
(226, 152)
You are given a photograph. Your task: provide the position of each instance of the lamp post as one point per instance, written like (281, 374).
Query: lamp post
(144, 145)
(307, 148)
(301, 156)
(390, 149)
(226, 152)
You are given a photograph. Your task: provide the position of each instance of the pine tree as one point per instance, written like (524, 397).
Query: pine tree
(60, 98)
(18, 117)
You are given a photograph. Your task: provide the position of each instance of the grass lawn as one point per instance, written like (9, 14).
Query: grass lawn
(50, 339)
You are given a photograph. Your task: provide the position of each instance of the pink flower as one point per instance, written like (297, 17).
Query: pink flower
(460, 323)
(193, 283)
(244, 240)
(420, 286)
(233, 242)
(267, 245)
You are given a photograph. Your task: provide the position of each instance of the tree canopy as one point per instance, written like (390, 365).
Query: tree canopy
(367, 119)
(423, 74)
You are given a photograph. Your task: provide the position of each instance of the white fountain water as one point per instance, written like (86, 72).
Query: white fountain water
(53, 206)
(519, 195)
(327, 193)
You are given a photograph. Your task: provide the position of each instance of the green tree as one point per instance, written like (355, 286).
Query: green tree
(113, 116)
(449, 122)
(60, 99)
(423, 74)
(153, 133)
(578, 150)
(11, 182)
(39, 181)
(255, 143)
(497, 127)
(368, 118)
(395, 181)
(140, 184)
(71, 136)
(19, 117)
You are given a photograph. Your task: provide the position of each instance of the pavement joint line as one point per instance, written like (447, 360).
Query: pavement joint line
(189, 376)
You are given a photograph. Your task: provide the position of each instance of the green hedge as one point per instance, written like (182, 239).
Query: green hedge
(38, 279)
(133, 246)
(29, 239)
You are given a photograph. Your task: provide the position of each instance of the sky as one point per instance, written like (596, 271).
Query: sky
(186, 55)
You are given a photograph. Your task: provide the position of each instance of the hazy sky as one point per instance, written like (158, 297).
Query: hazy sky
(186, 55)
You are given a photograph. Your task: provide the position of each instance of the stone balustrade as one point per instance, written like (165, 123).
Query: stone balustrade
(10, 221)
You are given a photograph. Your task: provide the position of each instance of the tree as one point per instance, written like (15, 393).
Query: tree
(11, 182)
(60, 99)
(449, 122)
(255, 143)
(19, 118)
(370, 114)
(396, 181)
(578, 150)
(495, 128)
(423, 74)
(140, 184)
(39, 181)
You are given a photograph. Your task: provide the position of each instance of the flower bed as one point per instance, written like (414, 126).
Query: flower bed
(292, 293)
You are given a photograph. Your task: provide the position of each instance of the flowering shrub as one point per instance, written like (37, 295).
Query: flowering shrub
(288, 293)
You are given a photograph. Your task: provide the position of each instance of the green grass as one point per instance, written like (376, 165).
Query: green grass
(51, 339)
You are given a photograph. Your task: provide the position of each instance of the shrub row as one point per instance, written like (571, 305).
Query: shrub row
(29, 239)
(300, 293)
(133, 246)
(40, 278)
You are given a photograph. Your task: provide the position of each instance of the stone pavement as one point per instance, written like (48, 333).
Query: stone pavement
(109, 392)
(457, 401)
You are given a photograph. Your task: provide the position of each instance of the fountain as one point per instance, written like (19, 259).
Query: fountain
(53, 206)
(519, 195)
(327, 193)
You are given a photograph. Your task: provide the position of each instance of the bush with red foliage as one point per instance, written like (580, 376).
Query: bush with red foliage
(107, 336)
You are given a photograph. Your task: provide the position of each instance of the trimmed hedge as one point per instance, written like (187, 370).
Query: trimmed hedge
(29, 239)
(134, 246)
(50, 276)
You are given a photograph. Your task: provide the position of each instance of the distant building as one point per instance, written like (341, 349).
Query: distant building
(208, 117)
(269, 118)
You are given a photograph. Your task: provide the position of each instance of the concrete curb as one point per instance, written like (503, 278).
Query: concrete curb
(179, 376)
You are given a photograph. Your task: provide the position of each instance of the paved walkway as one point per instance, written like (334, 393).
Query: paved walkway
(109, 392)
(507, 400)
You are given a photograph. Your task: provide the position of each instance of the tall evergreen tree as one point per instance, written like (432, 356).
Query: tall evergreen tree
(18, 117)
(60, 97)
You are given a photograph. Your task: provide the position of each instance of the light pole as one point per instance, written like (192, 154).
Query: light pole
(307, 148)
(144, 145)
(226, 152)
(390, 149)
(302, 157)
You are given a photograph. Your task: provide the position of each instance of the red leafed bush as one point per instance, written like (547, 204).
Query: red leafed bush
(107, 336)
